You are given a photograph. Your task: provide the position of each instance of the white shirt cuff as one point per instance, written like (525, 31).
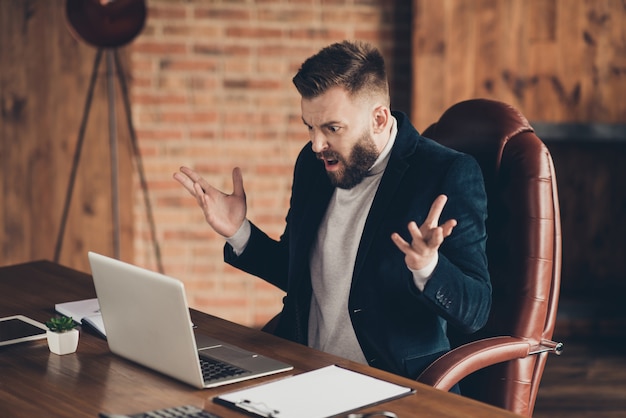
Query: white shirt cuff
(421, 276)
(239, 241)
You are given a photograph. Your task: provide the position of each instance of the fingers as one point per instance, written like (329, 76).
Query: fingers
(200, 195)
(432, 220)
(430, 235)
(419, 243)
(418, 254)
(415, 231)
(402, 245)
(187, 177)
(447, 227)
(425, 237)
(238, 182)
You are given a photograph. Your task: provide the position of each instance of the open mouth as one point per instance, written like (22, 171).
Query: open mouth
(328, 160)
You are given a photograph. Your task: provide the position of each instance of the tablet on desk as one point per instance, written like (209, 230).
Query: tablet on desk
(18, 328)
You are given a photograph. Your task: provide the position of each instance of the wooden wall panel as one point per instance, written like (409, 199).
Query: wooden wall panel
(44, 76)
(556, 60)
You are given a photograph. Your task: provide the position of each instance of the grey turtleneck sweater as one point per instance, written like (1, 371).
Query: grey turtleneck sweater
(332, 262)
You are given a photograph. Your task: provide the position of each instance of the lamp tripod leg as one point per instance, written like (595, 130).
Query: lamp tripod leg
(115, 200)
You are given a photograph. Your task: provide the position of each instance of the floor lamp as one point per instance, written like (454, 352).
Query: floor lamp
(108, 26)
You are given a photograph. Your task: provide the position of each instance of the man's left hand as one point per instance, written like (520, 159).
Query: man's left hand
(425, 239)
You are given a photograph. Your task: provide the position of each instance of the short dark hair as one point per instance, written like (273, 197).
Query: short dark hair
(355, 66)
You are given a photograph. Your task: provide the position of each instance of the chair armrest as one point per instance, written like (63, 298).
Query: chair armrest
(456, 364)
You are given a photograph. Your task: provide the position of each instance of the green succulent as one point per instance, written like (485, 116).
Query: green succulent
(61, 324)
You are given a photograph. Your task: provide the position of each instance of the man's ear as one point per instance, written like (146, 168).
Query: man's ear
(381, 116)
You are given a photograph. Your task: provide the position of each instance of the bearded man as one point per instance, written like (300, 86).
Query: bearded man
(370, 272)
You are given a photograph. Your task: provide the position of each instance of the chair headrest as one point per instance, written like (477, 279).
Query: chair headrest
(480, 119)
(481, 127)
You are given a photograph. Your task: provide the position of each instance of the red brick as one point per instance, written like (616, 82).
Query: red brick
(158, 99)
(326, 34)
(159, 134)
(186, 117)
(222, 13)
(190, 31)
(166, 13)
(170, 64)
(291, 15)
(253, 33)
(252, 84)
(219, 49)
(157, 47)
(142, 82)
(202, 134)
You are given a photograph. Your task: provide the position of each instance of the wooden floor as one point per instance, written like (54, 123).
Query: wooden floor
(587, 381)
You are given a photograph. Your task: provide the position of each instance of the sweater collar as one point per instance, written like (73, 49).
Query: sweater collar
(381, 162)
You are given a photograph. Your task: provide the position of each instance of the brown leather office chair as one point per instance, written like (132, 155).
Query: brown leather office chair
(502, 364)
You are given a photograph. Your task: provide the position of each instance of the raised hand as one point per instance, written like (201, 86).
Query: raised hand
(224, 212)
(425, 239)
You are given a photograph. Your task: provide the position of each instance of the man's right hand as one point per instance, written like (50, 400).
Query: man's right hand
(224, 212)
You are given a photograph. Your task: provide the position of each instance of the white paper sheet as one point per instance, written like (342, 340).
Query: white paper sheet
(319, 393)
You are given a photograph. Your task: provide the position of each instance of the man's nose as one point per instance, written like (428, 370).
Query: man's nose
(318, 142)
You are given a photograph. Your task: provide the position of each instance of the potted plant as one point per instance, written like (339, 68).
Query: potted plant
(62, 335)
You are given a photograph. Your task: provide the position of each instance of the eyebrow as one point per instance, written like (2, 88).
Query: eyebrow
(325, 124)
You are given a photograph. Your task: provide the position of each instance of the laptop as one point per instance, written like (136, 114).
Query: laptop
(147, 320)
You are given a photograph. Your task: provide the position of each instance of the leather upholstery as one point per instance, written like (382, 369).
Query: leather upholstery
(524, 253)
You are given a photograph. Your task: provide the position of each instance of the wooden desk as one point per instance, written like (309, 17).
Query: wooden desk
(35, 382)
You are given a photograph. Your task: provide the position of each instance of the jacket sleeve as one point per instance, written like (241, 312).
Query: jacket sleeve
(263, 257)
(460, 289)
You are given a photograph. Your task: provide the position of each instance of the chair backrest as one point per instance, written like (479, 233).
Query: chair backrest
(524, 240)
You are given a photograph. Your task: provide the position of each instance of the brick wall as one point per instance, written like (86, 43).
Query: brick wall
(211, 89)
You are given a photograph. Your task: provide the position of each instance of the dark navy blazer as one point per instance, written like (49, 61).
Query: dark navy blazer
(400, 329)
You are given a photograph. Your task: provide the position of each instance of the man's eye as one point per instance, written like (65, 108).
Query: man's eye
(333, 128)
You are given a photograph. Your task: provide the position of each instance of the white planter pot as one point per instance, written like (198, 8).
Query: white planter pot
(63, 342)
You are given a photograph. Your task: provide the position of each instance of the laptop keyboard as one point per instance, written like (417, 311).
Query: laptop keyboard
(183, 411)
(214, 369)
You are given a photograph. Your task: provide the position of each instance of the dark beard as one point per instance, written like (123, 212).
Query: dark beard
(355, 169)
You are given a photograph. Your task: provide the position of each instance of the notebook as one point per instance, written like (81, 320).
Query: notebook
(147, 321)
(85, 312)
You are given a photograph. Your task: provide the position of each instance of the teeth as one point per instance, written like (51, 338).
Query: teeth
(327, 160)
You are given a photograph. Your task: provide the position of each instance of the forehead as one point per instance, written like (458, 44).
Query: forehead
(335, 105)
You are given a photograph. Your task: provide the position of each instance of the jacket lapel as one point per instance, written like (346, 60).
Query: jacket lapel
(404, 146)
(316, 205)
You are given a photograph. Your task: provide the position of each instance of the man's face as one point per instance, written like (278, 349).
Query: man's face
(340, 132)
